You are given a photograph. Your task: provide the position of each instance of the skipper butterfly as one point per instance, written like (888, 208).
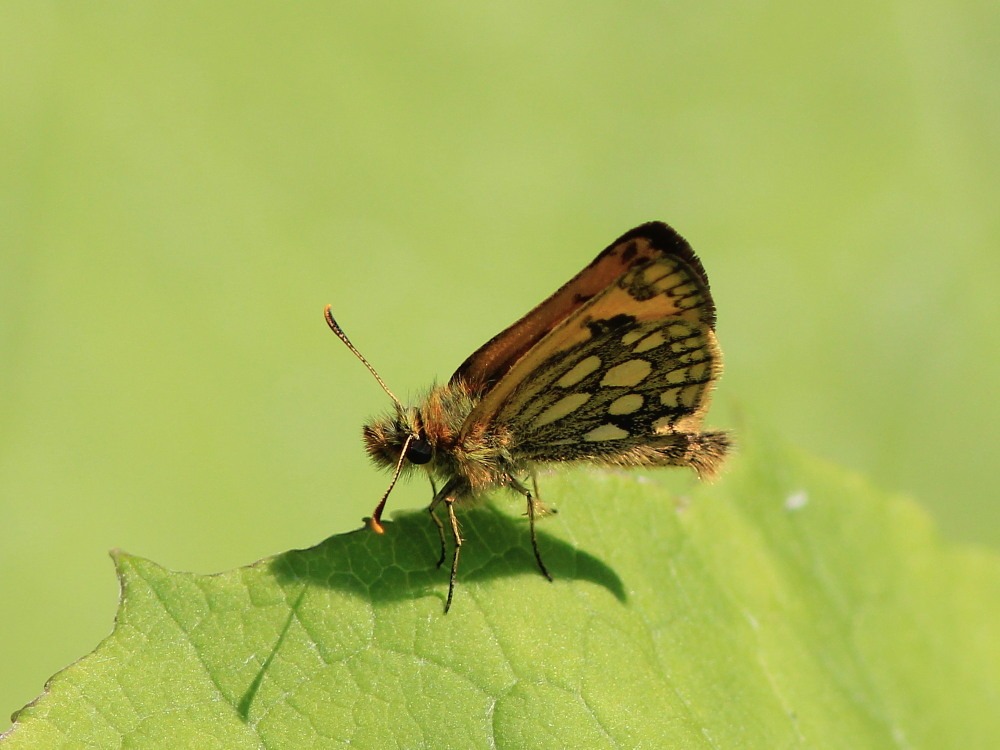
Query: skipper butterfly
(616, 368)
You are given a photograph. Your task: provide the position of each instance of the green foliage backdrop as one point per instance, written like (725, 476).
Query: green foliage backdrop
(183, 186)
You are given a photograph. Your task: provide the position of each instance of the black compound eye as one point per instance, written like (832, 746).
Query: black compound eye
(419, 451)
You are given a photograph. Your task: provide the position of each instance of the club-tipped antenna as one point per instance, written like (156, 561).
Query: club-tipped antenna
(375, 522)
(335, 327)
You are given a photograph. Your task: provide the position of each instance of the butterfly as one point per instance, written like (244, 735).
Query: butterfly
(615, 368)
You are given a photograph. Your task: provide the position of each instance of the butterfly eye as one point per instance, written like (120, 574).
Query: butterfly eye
(419, 451)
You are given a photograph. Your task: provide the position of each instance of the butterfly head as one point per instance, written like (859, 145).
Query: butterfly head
(396, 437)
(394, 441)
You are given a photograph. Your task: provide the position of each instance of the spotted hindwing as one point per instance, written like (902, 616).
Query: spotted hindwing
(624, 378)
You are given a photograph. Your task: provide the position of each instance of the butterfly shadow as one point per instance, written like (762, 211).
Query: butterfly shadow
(402, 563)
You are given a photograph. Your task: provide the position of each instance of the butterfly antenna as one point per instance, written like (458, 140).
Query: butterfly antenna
(335, 327)
(375, 522)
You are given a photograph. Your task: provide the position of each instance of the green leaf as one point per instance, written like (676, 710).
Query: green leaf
(788, 605)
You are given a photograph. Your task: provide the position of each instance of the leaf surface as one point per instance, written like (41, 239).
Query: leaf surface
(788, 605)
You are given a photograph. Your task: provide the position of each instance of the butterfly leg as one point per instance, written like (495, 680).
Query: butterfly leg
(546, 509)
(532, 509)
(432, 510)
(450, 504)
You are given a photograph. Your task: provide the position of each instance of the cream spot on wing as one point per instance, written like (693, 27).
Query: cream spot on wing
(626, 404)
(688, 423)
(677, 376)
(686, 344)
(631, 336)
(668, 282)
(689, 396)
(698, 371)
(663, 425)
(564, 406)
(579, 371)
(605, 432)
(698, 355)
(679, 330)
(652, 341)
(670, 397)
(657, 273)
(627, 374)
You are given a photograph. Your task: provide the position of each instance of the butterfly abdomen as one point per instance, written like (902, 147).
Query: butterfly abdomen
(702, 451)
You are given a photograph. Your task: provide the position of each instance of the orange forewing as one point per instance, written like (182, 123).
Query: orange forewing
(634, 251)
(496, 357)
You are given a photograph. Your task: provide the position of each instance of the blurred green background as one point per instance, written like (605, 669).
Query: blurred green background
(185, 185)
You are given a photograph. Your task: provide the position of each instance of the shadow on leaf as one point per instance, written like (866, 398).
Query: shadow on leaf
(401, 563)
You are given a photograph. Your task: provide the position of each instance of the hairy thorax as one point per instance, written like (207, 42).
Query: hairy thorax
(473, 455)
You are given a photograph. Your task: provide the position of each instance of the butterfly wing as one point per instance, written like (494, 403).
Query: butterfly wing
(617, 366)
(492, 361)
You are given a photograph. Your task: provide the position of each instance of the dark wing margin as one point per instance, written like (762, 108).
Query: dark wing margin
(648, 242)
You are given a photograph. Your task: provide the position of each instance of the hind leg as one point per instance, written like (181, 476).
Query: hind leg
(532, 512)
